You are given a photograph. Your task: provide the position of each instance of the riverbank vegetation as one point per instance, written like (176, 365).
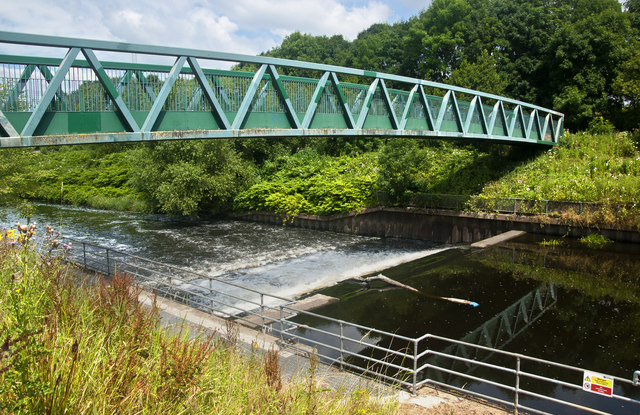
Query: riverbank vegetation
(312, 177)
(580, 57)
(75, 348)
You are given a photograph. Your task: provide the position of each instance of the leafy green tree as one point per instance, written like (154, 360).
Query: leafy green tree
(191, 177)
(583, 59)
(481, 75)
(524, 29)
(334, 50)
(398, 162)
(627, 88)
(633, 7)
(447, 32)
(380, 48)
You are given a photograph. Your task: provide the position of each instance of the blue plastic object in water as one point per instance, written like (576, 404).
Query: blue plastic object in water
(473, 304)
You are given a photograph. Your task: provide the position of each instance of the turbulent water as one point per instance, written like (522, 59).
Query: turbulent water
(278, 260)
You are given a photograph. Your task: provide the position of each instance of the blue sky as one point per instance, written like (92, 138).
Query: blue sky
(240, 26)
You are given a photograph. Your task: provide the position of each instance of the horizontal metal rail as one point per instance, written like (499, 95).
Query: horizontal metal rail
(69, 100)
(500, 204)
(409, 365)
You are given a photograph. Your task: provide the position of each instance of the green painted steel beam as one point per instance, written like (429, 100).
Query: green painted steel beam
(129, 122)
(50, 92)
(218, 113)
(387, 101)
(315, 100)
(282, 94)
(152, 117)
(364, 111)
(7, 127)
(348, 117)
(245, 106)
(66, 139)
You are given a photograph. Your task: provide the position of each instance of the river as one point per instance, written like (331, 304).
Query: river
(592, 321)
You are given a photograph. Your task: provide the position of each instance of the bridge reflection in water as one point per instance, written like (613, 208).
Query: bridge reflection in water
(68, 100)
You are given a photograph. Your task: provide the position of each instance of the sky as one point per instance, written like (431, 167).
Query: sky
(238, 26)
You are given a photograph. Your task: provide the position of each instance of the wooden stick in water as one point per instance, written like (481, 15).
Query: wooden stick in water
(401, 285)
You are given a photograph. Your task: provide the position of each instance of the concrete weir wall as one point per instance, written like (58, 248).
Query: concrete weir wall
(434, 225)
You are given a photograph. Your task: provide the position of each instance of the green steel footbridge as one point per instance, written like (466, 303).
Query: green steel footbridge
(73, 91)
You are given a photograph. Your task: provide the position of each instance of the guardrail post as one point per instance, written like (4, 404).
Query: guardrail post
(262, 310)
(415, 367)
(211, 294)
(517, 382)
(108, 266)
(341, 345)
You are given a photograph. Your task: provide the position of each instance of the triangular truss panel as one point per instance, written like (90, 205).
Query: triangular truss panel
(399, 100)
(329, 112)
(415, 115)
(300, 91)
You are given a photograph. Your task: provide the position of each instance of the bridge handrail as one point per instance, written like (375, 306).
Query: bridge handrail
(110, 46)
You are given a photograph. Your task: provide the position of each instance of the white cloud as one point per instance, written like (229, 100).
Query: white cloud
(239, 26)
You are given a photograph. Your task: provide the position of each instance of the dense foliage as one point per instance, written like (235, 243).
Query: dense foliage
(577, 56)
(309, 183)
(189, 177)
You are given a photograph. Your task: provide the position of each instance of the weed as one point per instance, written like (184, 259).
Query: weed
(553, 243)
(595, 241)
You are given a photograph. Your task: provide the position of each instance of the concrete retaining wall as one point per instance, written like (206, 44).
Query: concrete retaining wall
(434, 225)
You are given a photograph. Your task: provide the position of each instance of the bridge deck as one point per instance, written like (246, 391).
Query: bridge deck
(55, 101)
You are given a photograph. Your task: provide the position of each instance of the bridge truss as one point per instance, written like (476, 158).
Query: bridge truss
(70, 100)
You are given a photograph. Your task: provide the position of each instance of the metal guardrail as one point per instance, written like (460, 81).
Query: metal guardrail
(409, 362)
(80, 98)
(520, 206)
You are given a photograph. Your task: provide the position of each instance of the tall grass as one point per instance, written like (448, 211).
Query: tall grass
(68, 347)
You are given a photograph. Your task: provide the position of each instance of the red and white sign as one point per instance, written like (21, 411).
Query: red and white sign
(597, 383)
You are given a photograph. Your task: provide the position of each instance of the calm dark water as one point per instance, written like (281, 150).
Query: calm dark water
(591, 321)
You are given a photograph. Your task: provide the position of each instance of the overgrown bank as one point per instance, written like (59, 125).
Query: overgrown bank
(329, 176)
(67, 347)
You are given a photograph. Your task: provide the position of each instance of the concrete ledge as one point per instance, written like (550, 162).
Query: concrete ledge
(435, 225)
(175, 314)
(494, 240)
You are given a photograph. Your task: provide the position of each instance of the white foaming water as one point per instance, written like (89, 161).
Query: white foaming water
(297, 276)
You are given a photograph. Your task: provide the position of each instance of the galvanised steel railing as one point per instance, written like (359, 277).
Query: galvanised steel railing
(67, 100)
(513, 205)
(518, 381)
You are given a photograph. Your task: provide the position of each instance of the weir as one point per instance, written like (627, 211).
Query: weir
(79, 98)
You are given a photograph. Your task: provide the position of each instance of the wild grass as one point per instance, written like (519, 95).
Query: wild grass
(68, 347)
(595, 241)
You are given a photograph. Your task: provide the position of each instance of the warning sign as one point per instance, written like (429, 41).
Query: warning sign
(597, 383)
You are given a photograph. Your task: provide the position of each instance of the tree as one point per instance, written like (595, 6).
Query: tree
(334, 50)
(481, 75)
(449, 31)
(583, 60)
(380, 48)
(627, 88)
(191, 177)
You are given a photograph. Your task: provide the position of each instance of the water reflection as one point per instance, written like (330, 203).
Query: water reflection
(570, 305)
